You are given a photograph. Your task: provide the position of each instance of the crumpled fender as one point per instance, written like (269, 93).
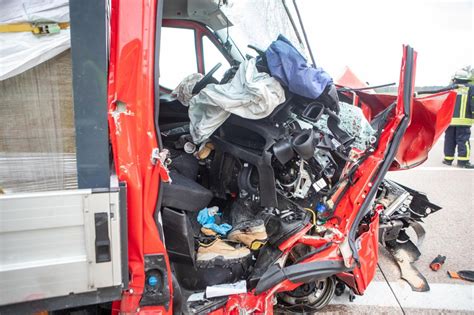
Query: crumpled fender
(431, 116)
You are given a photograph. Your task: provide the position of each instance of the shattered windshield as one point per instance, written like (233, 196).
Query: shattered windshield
(258, 23)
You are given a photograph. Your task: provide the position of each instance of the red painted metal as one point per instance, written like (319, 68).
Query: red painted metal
(349, 279)
(133, 136)
(346, 211)
(349, 79)
(431, 116)
(368, 255)
(294, 239)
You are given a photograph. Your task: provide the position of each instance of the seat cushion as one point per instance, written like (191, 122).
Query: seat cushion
(185, 194)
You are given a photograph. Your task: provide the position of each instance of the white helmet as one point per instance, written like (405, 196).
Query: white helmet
(462, 74)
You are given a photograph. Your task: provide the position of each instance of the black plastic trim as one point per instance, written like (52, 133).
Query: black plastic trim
(123, 234)
(156, 70)
(209, 305)
(102, 295)
(264, 168)
(102, 240)
(299, 273)
(420, 203)
(156, 264)
(448, 88)
(156, 81)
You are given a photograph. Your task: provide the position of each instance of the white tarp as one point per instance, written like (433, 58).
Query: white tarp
(250, 94)
(23, 50)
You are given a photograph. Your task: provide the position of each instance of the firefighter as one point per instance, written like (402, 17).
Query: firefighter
(459, 132)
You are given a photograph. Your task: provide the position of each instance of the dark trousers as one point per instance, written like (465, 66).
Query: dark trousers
(457, 136)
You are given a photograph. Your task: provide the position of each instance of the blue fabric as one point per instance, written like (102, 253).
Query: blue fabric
(206, 217)
(222, 229)
(288, 66)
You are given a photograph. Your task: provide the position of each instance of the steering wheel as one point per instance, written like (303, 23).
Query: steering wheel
(207, 79)
(260, 52)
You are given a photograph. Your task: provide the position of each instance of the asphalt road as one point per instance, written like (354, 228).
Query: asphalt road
(449, 232)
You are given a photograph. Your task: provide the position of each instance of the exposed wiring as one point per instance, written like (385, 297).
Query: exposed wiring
(413, 212)
(312, 213)
(347, 89)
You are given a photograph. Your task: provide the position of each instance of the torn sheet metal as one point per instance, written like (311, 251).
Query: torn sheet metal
(250, 94)
(405, 255)
(346, 252)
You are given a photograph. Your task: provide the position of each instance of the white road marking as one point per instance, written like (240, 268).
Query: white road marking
(459, 297)
(440, 168)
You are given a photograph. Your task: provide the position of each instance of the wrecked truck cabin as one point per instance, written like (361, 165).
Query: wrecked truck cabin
(256, 180)
(284, 169)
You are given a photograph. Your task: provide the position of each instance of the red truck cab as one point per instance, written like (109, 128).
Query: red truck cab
(124, 73)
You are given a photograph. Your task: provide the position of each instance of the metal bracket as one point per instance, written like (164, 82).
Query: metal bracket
(46, 28)
(161, 159)
(303, 183)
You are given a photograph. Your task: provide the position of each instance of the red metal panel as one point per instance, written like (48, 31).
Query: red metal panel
(430, 117)
(368, 255)
(349, 79)
(133, 136)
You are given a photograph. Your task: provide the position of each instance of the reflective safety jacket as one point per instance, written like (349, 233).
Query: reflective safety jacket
(464, 109)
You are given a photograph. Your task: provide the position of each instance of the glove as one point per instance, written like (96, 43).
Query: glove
(206, 215)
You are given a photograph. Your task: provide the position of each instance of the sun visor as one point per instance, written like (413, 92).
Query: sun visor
(207, 12)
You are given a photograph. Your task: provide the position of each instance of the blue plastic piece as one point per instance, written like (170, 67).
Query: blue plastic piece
(320, 208)
(207, 218)
(153, 281)
(288, 66)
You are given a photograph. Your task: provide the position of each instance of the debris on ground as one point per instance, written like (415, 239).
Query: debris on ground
(467, 275)
(437, 262)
